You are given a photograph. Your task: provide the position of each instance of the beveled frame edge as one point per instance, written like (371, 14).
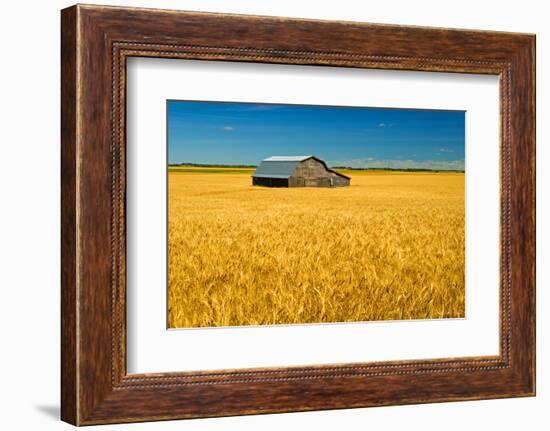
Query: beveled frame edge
(95, 43)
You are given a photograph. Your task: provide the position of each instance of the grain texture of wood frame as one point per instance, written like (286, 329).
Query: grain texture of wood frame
(95, 43)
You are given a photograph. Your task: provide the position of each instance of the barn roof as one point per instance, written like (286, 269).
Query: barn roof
(278, 167)
(283, 166)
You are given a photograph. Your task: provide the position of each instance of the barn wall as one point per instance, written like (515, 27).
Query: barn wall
(296, 182)
(338, 181)
(270, 182)
(311, 169)
(312, 173)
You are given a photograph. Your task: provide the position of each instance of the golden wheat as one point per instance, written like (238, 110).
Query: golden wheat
(389, 247)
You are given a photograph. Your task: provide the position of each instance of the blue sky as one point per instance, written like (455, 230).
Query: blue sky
(246, 133)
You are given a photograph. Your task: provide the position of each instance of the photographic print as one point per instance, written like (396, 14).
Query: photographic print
(302, 214)
(266, 218)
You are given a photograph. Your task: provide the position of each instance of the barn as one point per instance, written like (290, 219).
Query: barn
(297, 171)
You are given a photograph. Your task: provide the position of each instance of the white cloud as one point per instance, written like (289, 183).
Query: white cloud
(382, 125)
(228, 128)
(453, 165)
(446, 150)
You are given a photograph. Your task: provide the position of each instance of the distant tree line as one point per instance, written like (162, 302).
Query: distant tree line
(398, 169)
(211, 165)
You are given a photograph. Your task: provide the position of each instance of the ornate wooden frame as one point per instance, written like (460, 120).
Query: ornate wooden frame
(95, 43)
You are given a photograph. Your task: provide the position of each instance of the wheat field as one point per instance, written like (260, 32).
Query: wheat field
(389, 247)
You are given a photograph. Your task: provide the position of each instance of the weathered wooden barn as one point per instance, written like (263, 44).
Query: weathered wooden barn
(297, 171)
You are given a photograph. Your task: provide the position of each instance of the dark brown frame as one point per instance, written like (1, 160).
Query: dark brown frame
(95, 43)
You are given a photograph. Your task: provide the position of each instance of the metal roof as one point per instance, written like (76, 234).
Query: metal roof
(270, 168)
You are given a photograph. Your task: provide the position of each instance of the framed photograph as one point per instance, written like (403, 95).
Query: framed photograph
(263, 214)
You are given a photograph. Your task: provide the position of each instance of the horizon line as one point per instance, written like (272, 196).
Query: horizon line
(377, 168)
